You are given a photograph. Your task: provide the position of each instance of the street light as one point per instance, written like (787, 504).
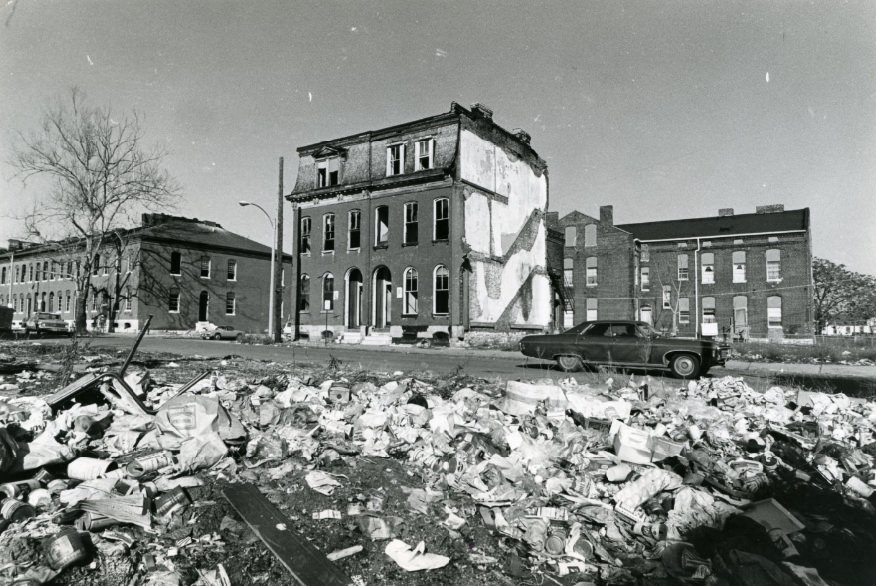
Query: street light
(273, 254)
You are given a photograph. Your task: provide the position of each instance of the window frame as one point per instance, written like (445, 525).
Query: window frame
(330, 177)
(770, 317)
(231, 270)
(175, 258)
(304, 292)
(418, 154)
(391, 161)
(232, 297)
(569, 272)
(683, 264)
(684, 310)
(411, 292)
(645, 278)
(351, 230)
(201, 267)
(173, 296)
(591, 272)
(304, 235)
(712, 317)
(436, 218)
(591, 307)
(774, 266)
(704, 268)
(328, 233)
(443, 291)
(411, 226)
(570, 236)
(666, 297)
(378, 243)
(590, 235)
(326, 277)
(740, 274)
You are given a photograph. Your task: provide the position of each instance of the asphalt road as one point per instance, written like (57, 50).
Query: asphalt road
(490, 365)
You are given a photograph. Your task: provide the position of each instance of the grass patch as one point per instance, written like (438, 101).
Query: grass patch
(257, 339)
(825, 350)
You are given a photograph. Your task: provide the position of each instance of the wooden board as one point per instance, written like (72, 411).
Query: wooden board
(309, 567)
(72, 389)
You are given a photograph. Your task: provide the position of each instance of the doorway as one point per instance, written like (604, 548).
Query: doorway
(382, 297)
(354, 299)
(203, 306)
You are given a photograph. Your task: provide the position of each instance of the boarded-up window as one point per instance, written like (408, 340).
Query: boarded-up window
(684, 310)
(571, 235)
(592, 309)
(682, 267)
(740, 311)
(590, 235)
(645, 275)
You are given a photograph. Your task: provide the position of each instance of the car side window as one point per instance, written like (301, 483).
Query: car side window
(598, 330)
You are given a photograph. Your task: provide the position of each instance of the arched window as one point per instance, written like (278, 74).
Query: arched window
(328, 292)
(129, 302)
(45, 271)
(381, 225)
(304, 293)
(175, 263)
(51, 301)
(740, 311)
(411, 281)
(645, 314)
(441, 288)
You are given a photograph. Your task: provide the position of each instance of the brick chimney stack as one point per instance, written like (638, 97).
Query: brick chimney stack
(725, 212)
(606, 215)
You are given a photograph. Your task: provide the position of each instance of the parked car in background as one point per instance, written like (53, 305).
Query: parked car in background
(222, 333)
(45, 323)
(625, 344)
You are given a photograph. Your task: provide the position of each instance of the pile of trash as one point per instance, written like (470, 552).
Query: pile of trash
(618, 483)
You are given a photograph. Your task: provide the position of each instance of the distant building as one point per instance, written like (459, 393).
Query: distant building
(748, 276)
(179, 270)
(429, 228)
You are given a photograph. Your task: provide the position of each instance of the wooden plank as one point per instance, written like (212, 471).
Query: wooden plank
(72, 389)
(309, 567)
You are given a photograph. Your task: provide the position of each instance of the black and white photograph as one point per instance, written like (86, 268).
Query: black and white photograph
(379, 292)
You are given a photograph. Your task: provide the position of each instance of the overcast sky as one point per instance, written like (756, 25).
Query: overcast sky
(664, 109)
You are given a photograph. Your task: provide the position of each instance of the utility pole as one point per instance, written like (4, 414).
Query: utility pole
(278, 264)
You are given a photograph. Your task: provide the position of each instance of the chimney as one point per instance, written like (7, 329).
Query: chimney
(479, 110)
(521, 135)
(725, 212)
(552, 220)
(606, 215)
(770, 209)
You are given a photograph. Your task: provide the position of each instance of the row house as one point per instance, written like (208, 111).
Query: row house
(426, 229)
(179, 270)
(746, 276)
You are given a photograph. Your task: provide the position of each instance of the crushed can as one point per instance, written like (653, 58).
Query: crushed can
(172, 501)
(65, 548)
(15, 510)
(145, 464)
(19, 488)
(555, 544)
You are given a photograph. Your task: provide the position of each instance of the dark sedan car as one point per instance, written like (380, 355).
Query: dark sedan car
(625, 344)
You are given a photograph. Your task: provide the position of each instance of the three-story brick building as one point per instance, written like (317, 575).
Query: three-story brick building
(748, 276)
(426, 229)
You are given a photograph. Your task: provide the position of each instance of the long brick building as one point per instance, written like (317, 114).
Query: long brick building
(746, 276)
(426, 229)
(179, 270)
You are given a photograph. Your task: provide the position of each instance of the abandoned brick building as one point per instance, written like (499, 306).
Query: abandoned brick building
(430, 228)
(179, 270)
(745, 276)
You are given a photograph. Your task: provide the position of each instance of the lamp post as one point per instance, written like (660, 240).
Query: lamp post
(273, 254)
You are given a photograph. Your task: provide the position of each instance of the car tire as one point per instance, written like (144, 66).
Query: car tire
(217, 337)
(685, 366)
(569, 363)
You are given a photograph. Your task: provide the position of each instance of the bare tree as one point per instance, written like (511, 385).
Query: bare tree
(100, 177)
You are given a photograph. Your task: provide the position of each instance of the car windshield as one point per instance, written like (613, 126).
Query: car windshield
(48, 316)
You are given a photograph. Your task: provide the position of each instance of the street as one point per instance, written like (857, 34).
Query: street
(479, 363)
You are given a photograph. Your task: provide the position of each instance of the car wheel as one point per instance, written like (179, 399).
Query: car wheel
(685, 366)
(569, 363)
(217, 337)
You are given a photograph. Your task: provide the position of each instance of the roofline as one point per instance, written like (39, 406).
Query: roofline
(752, 214)
(715, 237)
